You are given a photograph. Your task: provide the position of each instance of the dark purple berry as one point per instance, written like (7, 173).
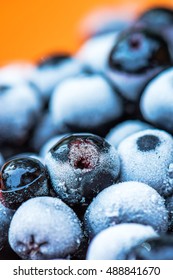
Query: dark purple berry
(21, 179)
(139, 51)
(80, 166)
(137, 56)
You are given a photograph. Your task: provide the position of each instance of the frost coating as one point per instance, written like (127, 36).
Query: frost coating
(78, 175)
(48, 77)
(128, 202)
(157, 100)
(95, 51)
(19, 109)
(150, 167)
(45, 228)
(125, 129)
(84, 102)
(114, 243)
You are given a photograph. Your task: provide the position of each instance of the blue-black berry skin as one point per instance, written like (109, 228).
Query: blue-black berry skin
(80, 166)
(21, 179)
(137, 56)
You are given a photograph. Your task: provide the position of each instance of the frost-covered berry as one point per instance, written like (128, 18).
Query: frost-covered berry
(5, 219)
(147, 157)
(22, 178)
(157, 101)
(45, 228)
(128, 202)
(86, 103)
(95, 51)
(125, 129)
(137, 56)
(156, 248)
(114, 243)
(52, 70)
(20, 107)
(44, 131)
(80, 166)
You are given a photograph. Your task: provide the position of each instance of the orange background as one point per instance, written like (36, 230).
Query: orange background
(29, 29)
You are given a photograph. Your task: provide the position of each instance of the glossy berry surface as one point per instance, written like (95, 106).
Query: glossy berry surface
(139, 51)
(21, 179)
(81, 165)
(45, 228)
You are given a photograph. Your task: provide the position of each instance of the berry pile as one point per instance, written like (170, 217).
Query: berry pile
(86, 148)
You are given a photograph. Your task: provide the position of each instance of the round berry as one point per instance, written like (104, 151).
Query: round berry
(45, 228)
(95, 51)
(80, 166)
(79, 100)
(147, 157)
(21, 179)
(123, 203)
(52, 70)
(157, 101)
(125, 129)
(137, 56)
(20, 108)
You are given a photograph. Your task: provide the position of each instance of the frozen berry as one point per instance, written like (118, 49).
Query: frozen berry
(95, 51)
(80, 166)
(128, 202)
(147, 157)
(137, 56)
(125, 129)
(157, 101)
(52, 70)
(86, 103)
(114, 243)
(45, 228)
(44, 130)
(20, 107)
(21, 179)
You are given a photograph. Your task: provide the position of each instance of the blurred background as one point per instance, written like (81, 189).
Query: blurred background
(30, 29)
